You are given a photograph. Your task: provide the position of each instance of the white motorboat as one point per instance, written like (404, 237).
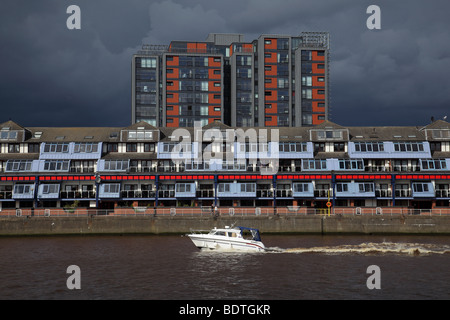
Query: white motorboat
(234, 238)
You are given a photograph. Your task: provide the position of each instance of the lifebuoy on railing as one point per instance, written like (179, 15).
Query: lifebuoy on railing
(47, 213)
(358, 211)
(231, 211)
(173, 211)
(258, 211)
(18, 212)
(378, 211)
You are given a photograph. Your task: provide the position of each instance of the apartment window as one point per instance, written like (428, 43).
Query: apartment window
(56, 165)
(292, 146)
(23, 189)
(116, 165)
(306, 93)
(183, 187)
(339, 147)
(13, 148)
(140, 135)
(149, 147)
(307, 81)
(112, 147)
(314, 164)
(50, 188)
(85, 147)
(148, 62)
(365, 187)
(248, 187)
(18, 165)
(420, 187)
(341, 187)
(131, 147)
(33, 148)
(224, 187)
(319, 147)
(408, 146)
(300, 187)
(369, 146)
(439, 164)
(320, 66)
(347, 164)
(111, 188)
(56, 147)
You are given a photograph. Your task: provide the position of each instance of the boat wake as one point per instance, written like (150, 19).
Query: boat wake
(372, 248)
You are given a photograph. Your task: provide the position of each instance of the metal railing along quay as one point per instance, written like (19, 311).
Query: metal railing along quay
(220, 211)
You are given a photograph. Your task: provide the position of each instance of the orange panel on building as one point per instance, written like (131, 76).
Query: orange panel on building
(173, 112)
(212, 87)
(175, 85)
(271, 72)
(211, 112)
(212, 75)
(211, 98)
(316, 120)
(272, 45)
(213, 63)
(317, 83)
(175, 61)
(316, 69)
(316, 57)
(173, 74)
(175, 122)
(272, 84)
(272, 96)
(316, 108)
(173, 99)
(272, 58)
(273, 108)
(317, 95)
(272, 123)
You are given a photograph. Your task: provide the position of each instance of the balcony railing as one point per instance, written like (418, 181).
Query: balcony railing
(137, 194)
(443, 193)
(205, 193)
(5, 194)
(77, 194)
(403, 193)
(383, 193)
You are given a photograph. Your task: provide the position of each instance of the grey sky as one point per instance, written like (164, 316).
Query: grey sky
(52, 76)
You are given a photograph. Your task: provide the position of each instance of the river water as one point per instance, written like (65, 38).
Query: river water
(172, 268)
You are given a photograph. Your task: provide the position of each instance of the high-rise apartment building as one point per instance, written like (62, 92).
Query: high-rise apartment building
(274, 81)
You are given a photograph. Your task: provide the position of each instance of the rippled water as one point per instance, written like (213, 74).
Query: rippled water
(172, 268)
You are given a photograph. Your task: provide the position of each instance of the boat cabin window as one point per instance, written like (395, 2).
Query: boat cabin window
(232, 234)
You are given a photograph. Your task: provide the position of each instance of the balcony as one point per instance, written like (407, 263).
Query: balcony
(264, 193)
(442, 193)
(403, 193)
(137, 194)
(5, 194)
(166, 194)
(284, 193)
(383, 193)
(77, 194)
(206, 193)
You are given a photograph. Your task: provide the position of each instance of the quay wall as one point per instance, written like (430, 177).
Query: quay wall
(313, 224)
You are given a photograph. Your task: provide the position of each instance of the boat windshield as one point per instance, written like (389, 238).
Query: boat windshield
(251, 231)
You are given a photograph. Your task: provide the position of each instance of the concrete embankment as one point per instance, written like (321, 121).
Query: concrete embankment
(315, 224)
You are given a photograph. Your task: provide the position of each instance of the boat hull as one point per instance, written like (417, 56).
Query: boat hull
(225, 244)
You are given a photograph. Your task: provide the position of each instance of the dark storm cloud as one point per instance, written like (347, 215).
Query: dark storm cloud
(58, 77)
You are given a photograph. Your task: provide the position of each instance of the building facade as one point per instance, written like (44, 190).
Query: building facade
(242, 84)
(146, 166)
